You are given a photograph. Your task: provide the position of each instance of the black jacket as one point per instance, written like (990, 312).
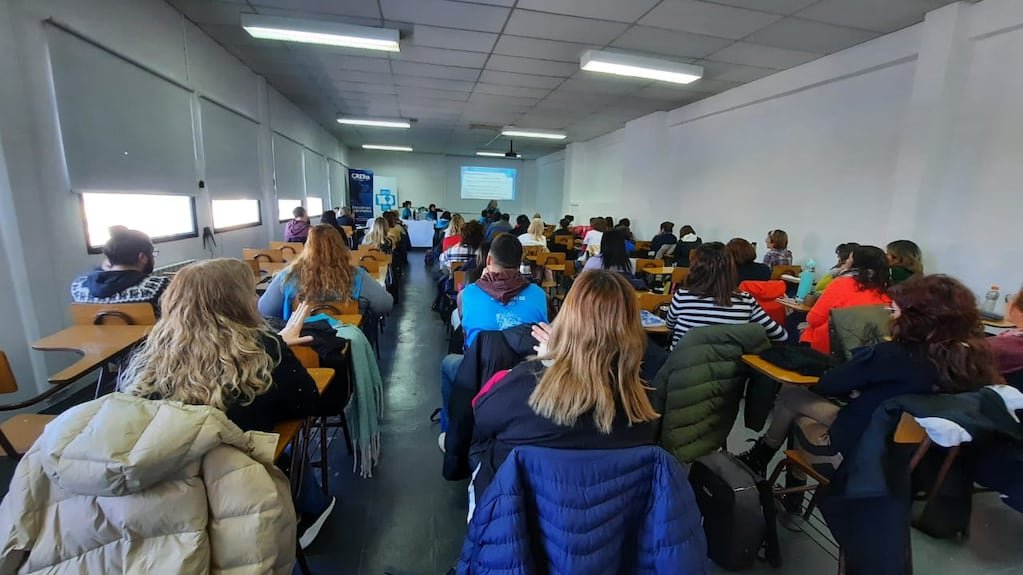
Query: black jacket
(292, 395)
(491, 352)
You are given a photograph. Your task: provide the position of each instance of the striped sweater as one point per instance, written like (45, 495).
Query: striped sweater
(689, 311)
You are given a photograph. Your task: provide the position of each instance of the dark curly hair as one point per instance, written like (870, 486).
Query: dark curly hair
(872, 271)
(472, 234)
(939, 314)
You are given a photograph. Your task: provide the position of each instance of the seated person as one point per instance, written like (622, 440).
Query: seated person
(778, 253)
(471, 238)
(406, 210)
(687, 242)
(937, 346)
(346, 219)
(746, 267)
(453, 235)
(521, 225)
(905, 260)
(378, 237)
(842, 252)
(125, 277)
(867, 285)
(297, 229)
(592, 238)
(664, 237)
(499, 225)
(613, 255)
(625, 225)
(534, 235)
(710, 297)
(212, 332)
(1008, 345)
(330, 218)
(583, 392)
(323, 272)
(395, 229)
(500, 299)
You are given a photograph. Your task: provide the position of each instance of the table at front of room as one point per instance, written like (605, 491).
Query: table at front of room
(420, 233)
(98, 345)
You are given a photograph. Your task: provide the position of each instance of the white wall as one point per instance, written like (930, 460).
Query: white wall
(916, 135)
(43, 238)
(550, 183)
(427, 179)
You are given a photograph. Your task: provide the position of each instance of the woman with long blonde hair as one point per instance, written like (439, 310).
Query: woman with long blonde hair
(584, 391)
(534, 234)
(377, 236)
(323, 272)
(211, 347)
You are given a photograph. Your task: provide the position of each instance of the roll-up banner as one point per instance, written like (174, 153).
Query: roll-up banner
(360, 195)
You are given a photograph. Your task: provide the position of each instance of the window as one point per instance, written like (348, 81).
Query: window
(163, 217)
(314, 206)
(235, 214)
(284, 208)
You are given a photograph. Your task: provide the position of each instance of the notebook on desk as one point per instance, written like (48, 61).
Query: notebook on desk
(650, 320)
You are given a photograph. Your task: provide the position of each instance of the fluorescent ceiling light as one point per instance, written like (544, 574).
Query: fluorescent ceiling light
(496, 154)
(640, 67)
(375, 123)
(512, 131)
(319, 32)
(387, 148)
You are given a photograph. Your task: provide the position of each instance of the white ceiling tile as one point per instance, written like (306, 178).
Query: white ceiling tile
(878, 15)
(762, 56)
(586, 82)
(796, 34)
(448, 14)
(353, 89)
(359, 8)
(733, 72)
(785, 7)
(519, 91)
(332, 62)
(409, 92)
(206, 12)
(669, 42)
(712, 86)
(451, 39)
(435, 83)
(618, 10)
(440, 56)
(495, 2)
(541, 49)
(531, 66)
(668, 93)
(434, 71)
(512, 79)
(565, 28)
(306, 15)
(496, 100)
(708, 19)
(335, 76)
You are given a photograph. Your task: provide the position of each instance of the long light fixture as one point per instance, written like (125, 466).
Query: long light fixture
(375, 122)
(497, 154)
(640, 67)
(319, 32)
(386, 148)
(512, 131)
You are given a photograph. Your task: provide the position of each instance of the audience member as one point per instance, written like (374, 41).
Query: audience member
(905, 260)
(664, 239)
(378, 237)
(406, 210)
(297, 229)
(500, 226)
(937, 346)
(346, 219)
(1008, 345)
(746, 267)
(613, 255)
(687, 242)
(472, 237)
(866, 283)
(609, 223)
(126, 277)
(453, 235)
(395, 229)
(521, 225)
(330, 218)
(431, 212)
(534, 234)
(778, 253)
(564, 228)
(583, 392)
(710, 297)
(322, 272)
(626, 227)
(842, 252)
(592, 237)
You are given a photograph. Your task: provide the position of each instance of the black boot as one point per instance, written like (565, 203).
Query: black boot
(758, 456)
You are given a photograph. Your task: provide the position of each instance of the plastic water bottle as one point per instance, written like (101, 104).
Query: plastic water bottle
(990, 300)
(805, 280)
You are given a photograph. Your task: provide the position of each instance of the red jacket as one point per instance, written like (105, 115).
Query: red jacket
(767, 293)
(842, 292)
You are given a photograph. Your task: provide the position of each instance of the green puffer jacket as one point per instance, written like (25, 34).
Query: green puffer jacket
(697, 391)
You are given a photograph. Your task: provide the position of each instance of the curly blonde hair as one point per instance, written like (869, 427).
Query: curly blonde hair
(324, 269)
(207, 348)
(377, 236)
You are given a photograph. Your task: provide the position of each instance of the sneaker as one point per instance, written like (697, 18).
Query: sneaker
(309, 531)
(440, 441)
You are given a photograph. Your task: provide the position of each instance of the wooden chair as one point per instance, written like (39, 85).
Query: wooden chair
(529, 253)
(678, 278)
(650, 301)
(289, 250)
(567, 241)
(335, 308)
(459, 278)
(376, 255)
(455, 266)
(644, 263)
(268, 256)
(255, 267)
(643, 246)
(778, 271)
(369, 264)
(555, 262)
(18, 433)
(113, 314)
(310, 360)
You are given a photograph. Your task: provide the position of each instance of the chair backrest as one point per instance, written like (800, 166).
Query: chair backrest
(290, 250)
(370, 265)
(552, 258)
(644, 263)
(7, 382)
(528, 251)
(332, 308)
(642, 245)
(349, 230)
(857, 326)
(307, 356)
(678, 277)
(268, 256)
(650, 301)
(113, 314)
(566, 240)
(255, 267)
(459, 277)
(455, 266)
(778, 271)
(376, 255)
(908, 430)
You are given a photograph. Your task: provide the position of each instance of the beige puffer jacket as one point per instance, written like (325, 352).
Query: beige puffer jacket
(128, 485)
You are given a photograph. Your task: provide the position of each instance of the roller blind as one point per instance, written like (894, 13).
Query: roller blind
(124, 129)
(289, 178)
(338, 184)
(231, 148)
(315, 175)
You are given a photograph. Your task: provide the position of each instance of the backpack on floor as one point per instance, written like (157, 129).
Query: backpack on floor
(738, 511)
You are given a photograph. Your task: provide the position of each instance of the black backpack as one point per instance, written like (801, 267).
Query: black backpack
(738, 511)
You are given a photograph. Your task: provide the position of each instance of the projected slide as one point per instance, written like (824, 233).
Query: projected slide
(479, 183)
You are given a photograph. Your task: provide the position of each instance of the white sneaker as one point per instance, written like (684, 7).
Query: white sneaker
(309, 534)
(440, 441)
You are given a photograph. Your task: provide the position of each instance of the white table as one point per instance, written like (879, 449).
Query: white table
(420, 233)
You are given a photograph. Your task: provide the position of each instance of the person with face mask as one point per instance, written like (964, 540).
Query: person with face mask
(126, 275)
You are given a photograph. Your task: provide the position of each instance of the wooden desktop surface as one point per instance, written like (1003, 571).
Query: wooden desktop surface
(793, 305)
(97, 344)
(776, 373)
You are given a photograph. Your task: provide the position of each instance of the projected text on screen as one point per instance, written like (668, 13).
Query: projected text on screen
(481, 183)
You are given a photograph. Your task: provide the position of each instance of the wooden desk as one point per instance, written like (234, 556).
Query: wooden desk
(998, 323)
(656, 329)
(97, 344)
(555, 267)
(776, 373)
(659, 271)
(287, 432)
(793, 305)
(322, 376)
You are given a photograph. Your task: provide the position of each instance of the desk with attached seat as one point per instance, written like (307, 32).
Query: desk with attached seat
(97, 344)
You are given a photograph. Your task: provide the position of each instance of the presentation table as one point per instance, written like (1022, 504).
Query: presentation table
(420, 233)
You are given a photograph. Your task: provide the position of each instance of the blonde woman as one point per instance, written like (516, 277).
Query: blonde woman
(453, 235)
(323, 272)
(584, 391)
(534, 234)
(377, 236)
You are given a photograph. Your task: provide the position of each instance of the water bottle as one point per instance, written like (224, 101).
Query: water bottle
(805, 280)
(990, 300)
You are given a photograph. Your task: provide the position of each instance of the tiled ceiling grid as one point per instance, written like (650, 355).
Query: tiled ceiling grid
(465, 64)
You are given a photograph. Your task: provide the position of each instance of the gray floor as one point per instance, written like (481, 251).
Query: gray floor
(408, 520)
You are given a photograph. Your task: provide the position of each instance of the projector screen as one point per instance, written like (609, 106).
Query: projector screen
(481, 183)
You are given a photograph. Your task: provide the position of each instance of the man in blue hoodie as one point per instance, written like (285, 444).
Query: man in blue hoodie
(126, 276)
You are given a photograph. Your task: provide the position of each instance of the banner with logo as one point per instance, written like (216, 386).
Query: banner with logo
(360, 195)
